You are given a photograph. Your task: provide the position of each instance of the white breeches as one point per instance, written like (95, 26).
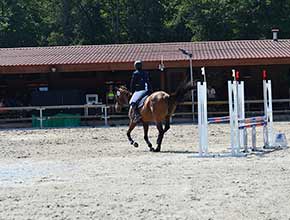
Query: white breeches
(136, 96)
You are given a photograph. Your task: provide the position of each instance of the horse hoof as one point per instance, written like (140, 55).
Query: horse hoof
(156, 150)
(136, 144)
(151, 149)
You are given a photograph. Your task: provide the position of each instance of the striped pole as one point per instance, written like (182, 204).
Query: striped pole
(218, 119)
(253, 119)
(251, 125)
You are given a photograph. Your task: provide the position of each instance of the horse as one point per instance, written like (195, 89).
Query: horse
(158, 107)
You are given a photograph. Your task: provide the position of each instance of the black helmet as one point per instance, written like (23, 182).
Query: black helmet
(138, 64)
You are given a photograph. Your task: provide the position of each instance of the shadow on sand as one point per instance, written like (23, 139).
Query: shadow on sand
(177, 152)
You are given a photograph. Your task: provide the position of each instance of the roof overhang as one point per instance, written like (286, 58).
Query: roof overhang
(149, 65)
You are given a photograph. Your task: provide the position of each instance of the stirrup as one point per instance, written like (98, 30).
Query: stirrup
(137, 118)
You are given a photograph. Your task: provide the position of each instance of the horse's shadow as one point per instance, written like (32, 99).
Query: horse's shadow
(177, 152)
(260, 153)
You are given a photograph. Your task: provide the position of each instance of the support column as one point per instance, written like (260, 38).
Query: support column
(162, 81)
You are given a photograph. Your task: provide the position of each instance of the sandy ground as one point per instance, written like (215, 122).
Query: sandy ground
(93, 173)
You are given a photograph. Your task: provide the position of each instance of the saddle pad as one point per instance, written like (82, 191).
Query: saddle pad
(141, 103)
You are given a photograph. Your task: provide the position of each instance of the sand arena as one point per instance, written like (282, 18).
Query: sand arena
(93, 173)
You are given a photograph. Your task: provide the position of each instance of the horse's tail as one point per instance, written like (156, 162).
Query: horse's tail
(179, 95)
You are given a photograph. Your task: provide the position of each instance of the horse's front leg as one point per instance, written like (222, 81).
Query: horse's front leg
(160, 136)
(167, 124)
(132, 125)
(146, 127)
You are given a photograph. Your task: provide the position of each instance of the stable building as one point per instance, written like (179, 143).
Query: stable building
(63, 75)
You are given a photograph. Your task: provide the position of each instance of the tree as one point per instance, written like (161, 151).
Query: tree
(70, 22)
(175, 24)
(90, 25)
(144, 21)
(20, 23)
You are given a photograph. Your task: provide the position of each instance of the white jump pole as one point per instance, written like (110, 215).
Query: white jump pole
(241, 112)
(234, 122)
(237, 111)
(268, 110)
(236, 98)
(268, 116)
(268, 138)
(202, 116)
(254, 136)
(236, 114)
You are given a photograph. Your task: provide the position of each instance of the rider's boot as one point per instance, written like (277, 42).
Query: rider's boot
(136, 114)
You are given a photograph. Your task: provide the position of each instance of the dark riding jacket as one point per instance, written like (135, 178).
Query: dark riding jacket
(139, 80)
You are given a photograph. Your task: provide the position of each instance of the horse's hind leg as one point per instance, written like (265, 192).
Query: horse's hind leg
(132, 125)
(146, 127)
(160, 136)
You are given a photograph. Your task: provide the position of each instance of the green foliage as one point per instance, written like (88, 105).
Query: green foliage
(19, 23)
(68, 22)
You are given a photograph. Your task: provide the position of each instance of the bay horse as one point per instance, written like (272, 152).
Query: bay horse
(158, 107)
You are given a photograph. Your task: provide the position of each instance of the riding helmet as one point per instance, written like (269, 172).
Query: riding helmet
(138, 64)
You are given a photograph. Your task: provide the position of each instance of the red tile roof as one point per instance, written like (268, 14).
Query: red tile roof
(122, 56)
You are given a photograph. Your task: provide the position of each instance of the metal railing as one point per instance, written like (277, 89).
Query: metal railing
(42, 109)
(220, 108)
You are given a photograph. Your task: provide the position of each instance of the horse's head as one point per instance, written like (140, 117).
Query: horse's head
(122, 98)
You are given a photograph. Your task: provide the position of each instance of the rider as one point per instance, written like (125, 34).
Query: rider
(140, 87)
